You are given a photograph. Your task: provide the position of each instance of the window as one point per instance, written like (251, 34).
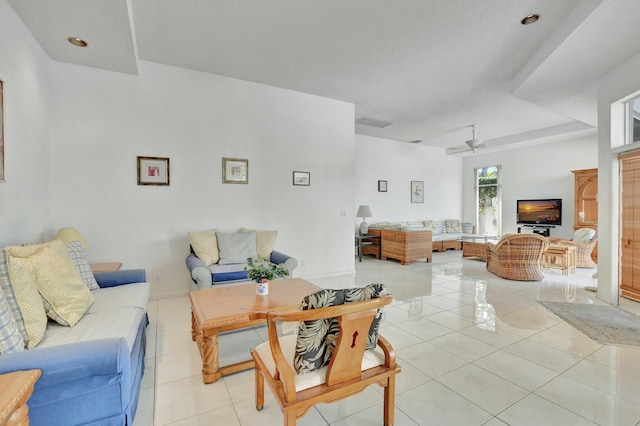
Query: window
(488, 201)
(633, 121)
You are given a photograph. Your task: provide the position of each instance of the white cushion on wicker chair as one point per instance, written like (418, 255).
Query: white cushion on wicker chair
(372, 358)
(583, 235)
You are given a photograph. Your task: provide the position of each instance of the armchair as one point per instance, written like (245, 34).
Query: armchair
(351, 369)
(517, 257)
(584, 240)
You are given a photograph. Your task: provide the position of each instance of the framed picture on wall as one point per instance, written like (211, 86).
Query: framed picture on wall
(382, 186)
(153, 171)
(302, 178)
(417, 191)
(1, 132)
(235, 170)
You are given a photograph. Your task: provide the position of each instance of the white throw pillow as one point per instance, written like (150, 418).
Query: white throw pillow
(236, 247)
(583, 235)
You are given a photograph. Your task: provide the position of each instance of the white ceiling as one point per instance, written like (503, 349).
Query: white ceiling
(432, 67)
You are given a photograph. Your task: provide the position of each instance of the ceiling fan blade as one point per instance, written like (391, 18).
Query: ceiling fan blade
(457, 150)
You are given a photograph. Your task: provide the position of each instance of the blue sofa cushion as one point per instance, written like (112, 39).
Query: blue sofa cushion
(229, 276)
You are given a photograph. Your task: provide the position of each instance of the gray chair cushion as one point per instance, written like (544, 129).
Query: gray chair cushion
(236, 247)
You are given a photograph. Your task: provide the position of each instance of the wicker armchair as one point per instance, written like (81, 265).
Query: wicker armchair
(583, 247)
(517, 257)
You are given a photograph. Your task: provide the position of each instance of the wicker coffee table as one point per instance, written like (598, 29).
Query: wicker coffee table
(475, 248)
(217, 310)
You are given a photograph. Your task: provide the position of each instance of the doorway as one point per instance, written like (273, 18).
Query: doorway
(488, 201)
(630, 225)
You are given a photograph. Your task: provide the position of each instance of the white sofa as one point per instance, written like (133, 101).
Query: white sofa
(446, 234)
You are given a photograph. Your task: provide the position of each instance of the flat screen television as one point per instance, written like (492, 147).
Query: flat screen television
(540, 212)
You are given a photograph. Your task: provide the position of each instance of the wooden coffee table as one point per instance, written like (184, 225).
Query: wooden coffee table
(15, 389)
(217, 310)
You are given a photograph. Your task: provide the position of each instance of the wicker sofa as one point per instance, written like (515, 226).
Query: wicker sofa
(445, 234)
(517, 257)
(406, 246)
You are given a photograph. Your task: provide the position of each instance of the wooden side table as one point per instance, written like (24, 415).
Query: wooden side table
(560, 257)
(368, 244)
(106, 267)
(15, 390)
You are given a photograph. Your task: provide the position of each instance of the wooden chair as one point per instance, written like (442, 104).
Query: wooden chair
(352, 368)
(517, 257)
(583, 249)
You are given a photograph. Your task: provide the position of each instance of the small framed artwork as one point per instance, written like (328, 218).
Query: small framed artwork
(302, 178)
(153, 171)
(235, 170)
(382, 186)
(1, 132)
(417, 191)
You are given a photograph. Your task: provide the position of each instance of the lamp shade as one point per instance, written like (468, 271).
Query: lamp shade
(70, 234)
(364, 211)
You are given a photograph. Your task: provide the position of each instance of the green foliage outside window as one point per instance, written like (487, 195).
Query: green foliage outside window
(488, 190)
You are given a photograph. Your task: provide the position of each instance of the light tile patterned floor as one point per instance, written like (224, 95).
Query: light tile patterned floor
(475, 350)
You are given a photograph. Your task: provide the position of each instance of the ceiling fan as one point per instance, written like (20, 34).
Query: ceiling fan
(471, 145)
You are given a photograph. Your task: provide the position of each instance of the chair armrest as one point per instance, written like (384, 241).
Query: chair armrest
(116, 278)
(561, 242)
(389, 354)
(283, 370)
(200, 274)
(289, 262)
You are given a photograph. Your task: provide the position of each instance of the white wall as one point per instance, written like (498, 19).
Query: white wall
(618, 84)
(24, 69)
(543, 171)
(399, 163)
(104, 120)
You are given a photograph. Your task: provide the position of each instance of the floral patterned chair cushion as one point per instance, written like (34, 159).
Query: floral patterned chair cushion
(453, 226)
(317, 339)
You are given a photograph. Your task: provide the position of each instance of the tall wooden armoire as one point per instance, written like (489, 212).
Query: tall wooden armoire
(586, 204)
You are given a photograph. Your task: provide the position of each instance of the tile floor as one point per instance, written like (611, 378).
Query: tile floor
(475, 350)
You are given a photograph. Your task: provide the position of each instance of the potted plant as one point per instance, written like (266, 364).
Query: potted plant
(262, 272)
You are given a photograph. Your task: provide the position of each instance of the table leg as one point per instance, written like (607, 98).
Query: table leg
(194, 328)
(209, 352)
(360, 248)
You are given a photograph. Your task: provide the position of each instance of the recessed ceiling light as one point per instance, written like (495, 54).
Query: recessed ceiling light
(530, 19)
(76, 41)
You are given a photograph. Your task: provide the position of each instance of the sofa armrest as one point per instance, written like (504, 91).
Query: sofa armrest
(200, 274)
(70, 372)
(71, 361)
(289, 262)
(116, 278)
